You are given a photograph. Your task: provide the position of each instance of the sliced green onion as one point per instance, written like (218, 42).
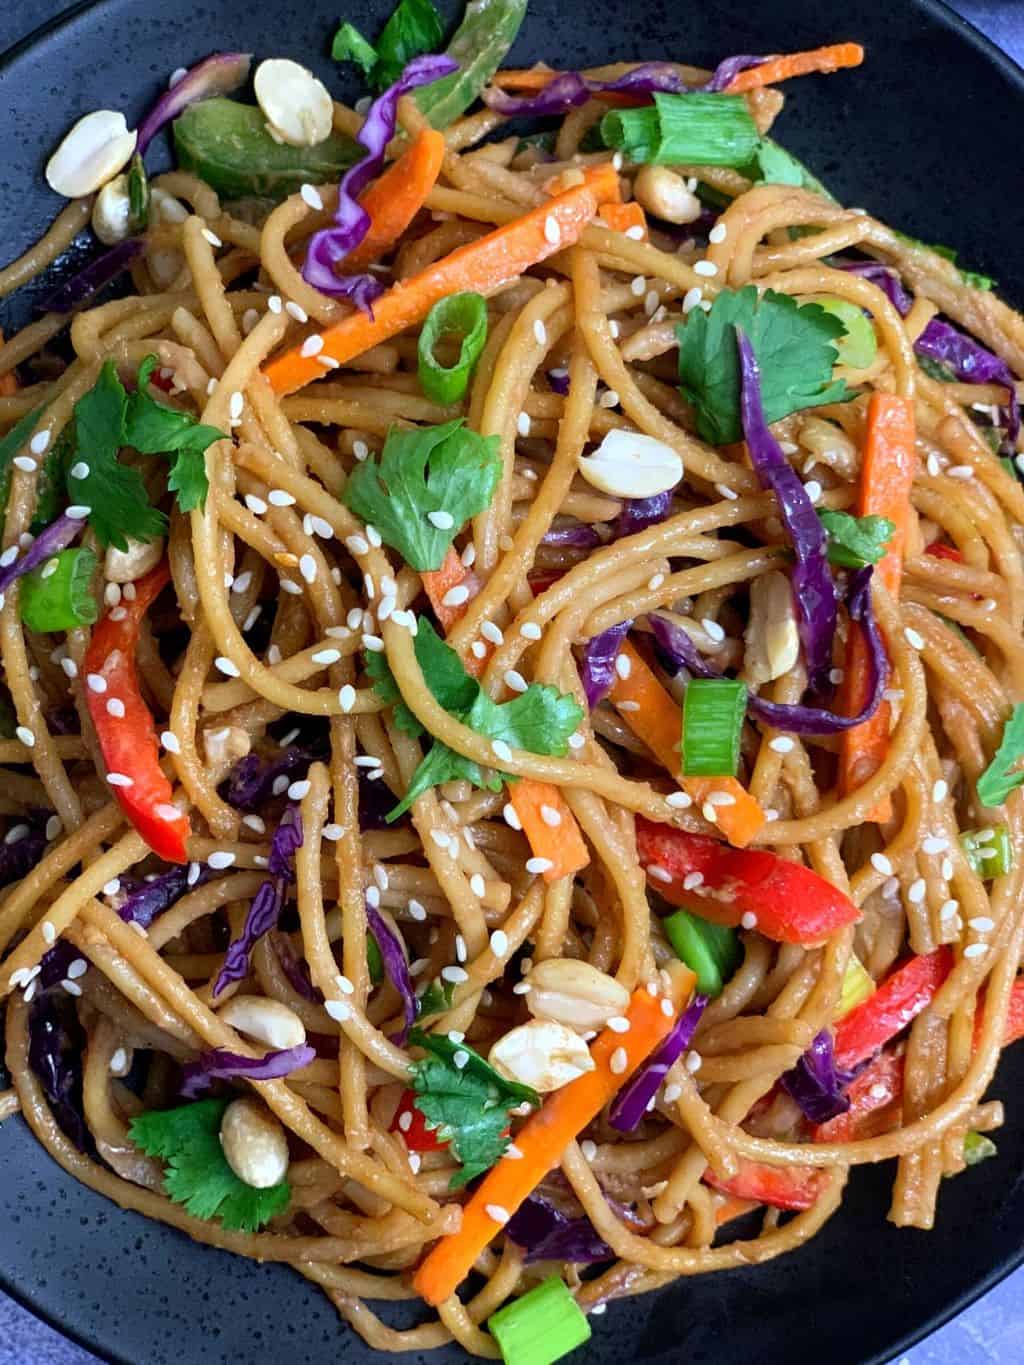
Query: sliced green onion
(856, 988)
(699, 130)
(1008, 465)
(541, 1327)
(978, 1147)
(459, 315)
(988, 851)
(58, 595)
(374, 961)
(711, 951)
(860, 345)
(713, 711)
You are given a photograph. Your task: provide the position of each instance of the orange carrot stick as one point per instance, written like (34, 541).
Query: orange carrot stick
(541, 1142)
(887, 472)
(559, 841)
(602, 179)
(651, 712)
(394, 200)
(536, 78)
(626, 218)
(481, 266)
(822, 60)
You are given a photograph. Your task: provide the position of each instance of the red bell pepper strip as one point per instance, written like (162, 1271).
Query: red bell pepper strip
(415, 1133)
(940, 550)
(874, 1096)
(900, 998)
(784, 1187)
(128, 741)
(1014, 1016)
(790, 903)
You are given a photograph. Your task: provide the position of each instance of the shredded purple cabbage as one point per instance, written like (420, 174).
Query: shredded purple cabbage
(814, 592)
(639, 513)
(56, 537)
(219, 74)
(944, 343)
(329, 247)
(267, 904)
(153, 898)
(294, 968)
(250, 784)
(221, 1065)
(630, 1104)
(99, 272)
(571, 88)
(393, 956)
(573, 534)
(18, 859)
(599, 655)
(56, 1047)
(547, 1234)
(816, 1083)
(678, 649)
(559, 381)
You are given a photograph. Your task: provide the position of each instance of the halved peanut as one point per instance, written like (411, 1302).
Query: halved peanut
(297, 106)
(542, 1054)
(771, 639)
(254, 1144)
(91, 153)
(629, 465)
(268, 1021)
(575, 994)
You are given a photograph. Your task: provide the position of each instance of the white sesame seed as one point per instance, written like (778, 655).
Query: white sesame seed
(118, 1062)
(537, 866)
(619, 1061)
(692, 881)
(523, 424)
(658, 873)
(879, 1092)
(296, 311)
(981, 924)
(933, 844)
(25, 463)
(49, 932)
(444, 521)
(501, 750)
(679, 800)
(917, 891)
(709, 813)
(713, 630)
(236, 403)
(552, 232)
(118, 614)
(651, 301)
(947, 868)
(170, 742)
(298, 790)
(551, 817)
(115, 708)
(226, 666)
(693, 1062)
(278, 497)
(333, 832)
(497, 1214)
(455, 597)
(638, 286)
(95, 682)
(26, 736)
(120, 780)
(492, 633)
(311, 196)
(635, 233)
(813, 490)
(456, 975)
(339, 1011)
(440, 838)
(78, 968)
(748, 920)
(274, 303)
(510, 817)
(70, 667)
(530, 630)
(881, 864)
(588, 1147)
(255, 505)
(619, 1024)
(307, 568)
(655, 582)
(326, 656)
(373, 643)
(692, 299)
(212, 237)
(499, 943)
(666, 1008)
(974, 950)
(717, 233)
(540, 332)
(913, 639)
(357, 545)
(961, 471)
(39, 442)
(220, 859)
(706, 268)
(576, 740)
(72, 987)
(78, 511)
(313, 345)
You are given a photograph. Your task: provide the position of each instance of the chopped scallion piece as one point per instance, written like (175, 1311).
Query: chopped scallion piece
(860, 345)
(988, 851)
(978, 1147)
(374, 961)
(713, 711)
(696, 129)
(459, 315)
(712, 951)
(58, 595)
(540, 1327)
(856, 988)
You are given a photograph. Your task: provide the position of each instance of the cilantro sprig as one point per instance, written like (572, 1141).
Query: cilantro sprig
(198, 1176)
(540, 720)
(414, 27)
(795, 348)
(466, 1101)
(107, 419)
(445, 474)
(854, 542)
(1002, 776)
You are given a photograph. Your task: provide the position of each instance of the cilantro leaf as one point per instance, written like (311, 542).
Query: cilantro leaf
(349, 45)
(775, 166)
(795, 348)
(378, 670)
(435, 999)
(468, 1105)
(154, 429)
(114, 492)
(447, 469)
(540, 720)
(414, 28)
(854, 542)
(198, 1175)
(1000, 778)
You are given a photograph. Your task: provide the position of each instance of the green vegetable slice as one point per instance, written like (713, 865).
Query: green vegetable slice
(711, 951)
(228, 146)
(698, 129)
(541, 1326)
(459, 315)
(853, 541)
(713, 711)
(860, 345)
(58, 595)
(989, 851)
(479, 45)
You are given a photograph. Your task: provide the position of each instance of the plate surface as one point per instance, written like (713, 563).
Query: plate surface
(923, 136)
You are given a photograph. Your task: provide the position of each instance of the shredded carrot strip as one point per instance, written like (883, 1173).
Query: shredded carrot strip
(651, 713)
(623, 217)
(603, 180)
(887, 473)
(439, 582)
(541, 1142)
(821, 60)
(482, 266)
(394, 200)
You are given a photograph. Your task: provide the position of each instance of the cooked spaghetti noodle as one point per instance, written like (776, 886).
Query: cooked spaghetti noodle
(264, 654)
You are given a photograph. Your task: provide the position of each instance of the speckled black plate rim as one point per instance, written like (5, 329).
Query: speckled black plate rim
(941, 13)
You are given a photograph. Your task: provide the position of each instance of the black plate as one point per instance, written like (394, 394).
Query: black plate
(923, 135)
